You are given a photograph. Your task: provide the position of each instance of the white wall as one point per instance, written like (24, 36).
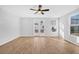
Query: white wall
(26, 26)
(65, 27)
(9, 26)
(64, 24)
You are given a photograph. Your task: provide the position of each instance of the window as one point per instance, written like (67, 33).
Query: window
(74, 28)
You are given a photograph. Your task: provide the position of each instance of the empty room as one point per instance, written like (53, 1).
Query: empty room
(39, 29)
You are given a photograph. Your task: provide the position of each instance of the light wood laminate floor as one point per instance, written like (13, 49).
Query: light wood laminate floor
(38, 45)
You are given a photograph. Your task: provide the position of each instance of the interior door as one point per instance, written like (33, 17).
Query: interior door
(39, 27)
(51, 27)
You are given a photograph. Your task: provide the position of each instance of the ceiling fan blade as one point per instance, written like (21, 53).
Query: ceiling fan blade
(36, 12)
(45, 10)
(33, 9)
(42, 13)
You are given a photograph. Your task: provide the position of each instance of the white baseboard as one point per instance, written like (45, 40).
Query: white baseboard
(72, 42)
(36, 36)
(13, 38)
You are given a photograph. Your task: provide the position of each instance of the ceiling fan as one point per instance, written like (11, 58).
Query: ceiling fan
(40, 10)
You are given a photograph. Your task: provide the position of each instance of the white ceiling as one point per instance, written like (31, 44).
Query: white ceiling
(24, 10)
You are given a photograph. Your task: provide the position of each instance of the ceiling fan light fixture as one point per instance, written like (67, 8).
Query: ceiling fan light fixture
(40, 9)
